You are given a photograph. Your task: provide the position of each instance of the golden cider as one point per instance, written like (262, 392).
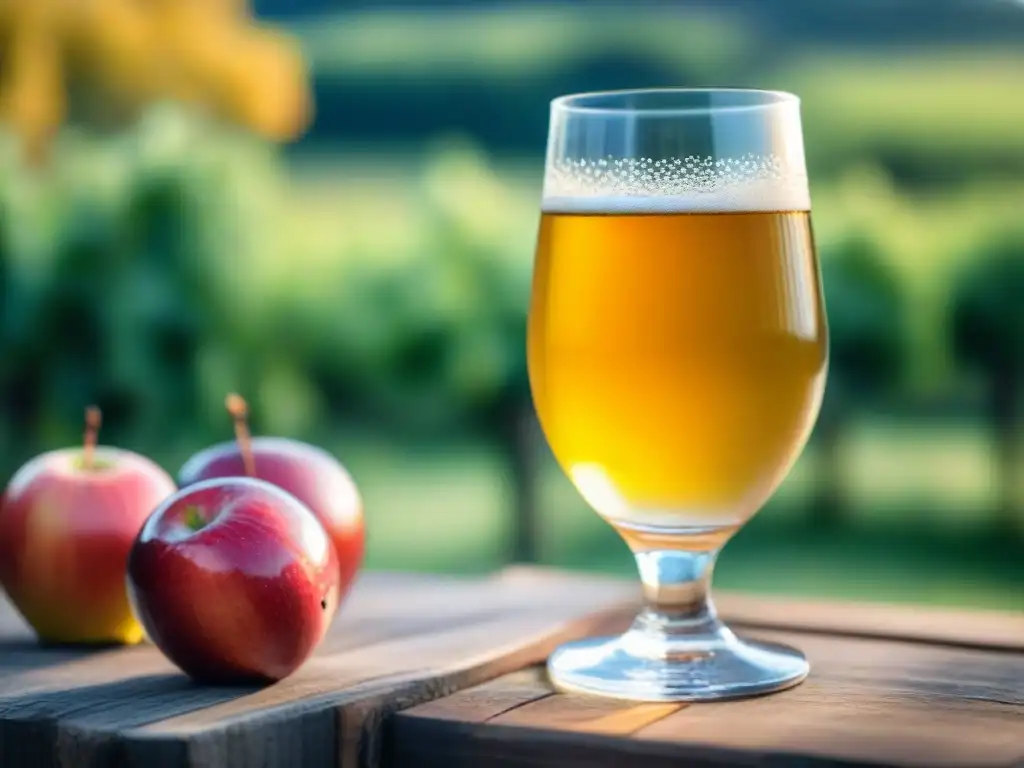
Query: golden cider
(677, 360)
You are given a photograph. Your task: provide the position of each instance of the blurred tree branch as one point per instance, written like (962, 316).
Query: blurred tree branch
(125, 54)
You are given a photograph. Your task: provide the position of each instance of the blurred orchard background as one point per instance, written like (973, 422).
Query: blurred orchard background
(330, 206)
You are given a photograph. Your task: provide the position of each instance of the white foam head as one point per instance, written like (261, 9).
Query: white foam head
(676, 185)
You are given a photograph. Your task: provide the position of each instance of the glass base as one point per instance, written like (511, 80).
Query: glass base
(646, 664)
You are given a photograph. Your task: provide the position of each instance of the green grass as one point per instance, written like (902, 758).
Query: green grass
(953, 100)
(948, 101)
(918, 534)
(513, 43)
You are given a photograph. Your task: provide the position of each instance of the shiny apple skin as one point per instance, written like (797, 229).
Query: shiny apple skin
(307, 472)
(65, 534)
(245, 599)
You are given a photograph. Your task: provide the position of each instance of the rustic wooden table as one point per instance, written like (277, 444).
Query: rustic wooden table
(426, 671)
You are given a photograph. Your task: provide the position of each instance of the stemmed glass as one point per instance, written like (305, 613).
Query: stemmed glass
(678, 354)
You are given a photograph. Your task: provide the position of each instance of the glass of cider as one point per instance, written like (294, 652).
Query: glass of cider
(678, 353)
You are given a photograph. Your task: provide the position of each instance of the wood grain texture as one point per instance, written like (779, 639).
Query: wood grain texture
(462, 644)
(400, 641)
(867, 703)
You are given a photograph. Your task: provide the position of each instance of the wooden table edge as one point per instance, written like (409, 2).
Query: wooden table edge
(474, 736)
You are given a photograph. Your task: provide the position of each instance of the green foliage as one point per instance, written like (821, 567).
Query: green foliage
(433, 335)
(182, 281)
(866, 311)
(987, 319)
(988, 335)
(117, 304)
(868, 336)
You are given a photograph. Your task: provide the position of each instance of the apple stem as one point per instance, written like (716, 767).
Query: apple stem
(93, 420)
(239, 411)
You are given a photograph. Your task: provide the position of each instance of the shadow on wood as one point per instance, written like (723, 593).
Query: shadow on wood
(69, 724)
(27, 654)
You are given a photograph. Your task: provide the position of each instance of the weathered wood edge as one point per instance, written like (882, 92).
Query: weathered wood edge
(365, 729)
(358, 716)
(362, 721)
(338, 726)
(471, 745)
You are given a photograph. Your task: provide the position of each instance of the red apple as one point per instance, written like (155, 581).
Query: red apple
(307, 472)
(234, 580)
(67, 521)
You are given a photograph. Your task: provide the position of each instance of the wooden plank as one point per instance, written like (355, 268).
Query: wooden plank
(967, 628)
(404, 640)
(875, 702)
(867, 702)
(401, 640)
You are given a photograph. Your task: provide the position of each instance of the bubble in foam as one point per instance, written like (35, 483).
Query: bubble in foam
(685, 185)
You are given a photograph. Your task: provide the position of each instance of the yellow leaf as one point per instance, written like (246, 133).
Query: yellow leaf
(207, 52)
(32, 100)
(268, 88)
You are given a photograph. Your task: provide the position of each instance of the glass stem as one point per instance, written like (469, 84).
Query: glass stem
(676, 586)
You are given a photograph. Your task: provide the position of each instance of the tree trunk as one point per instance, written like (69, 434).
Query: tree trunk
(518, 434)
(1007, 411)
(830, 506)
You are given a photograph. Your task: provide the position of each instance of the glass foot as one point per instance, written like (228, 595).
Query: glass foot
(645, 664)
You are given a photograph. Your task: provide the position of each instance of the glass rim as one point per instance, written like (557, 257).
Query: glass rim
(768, 99)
